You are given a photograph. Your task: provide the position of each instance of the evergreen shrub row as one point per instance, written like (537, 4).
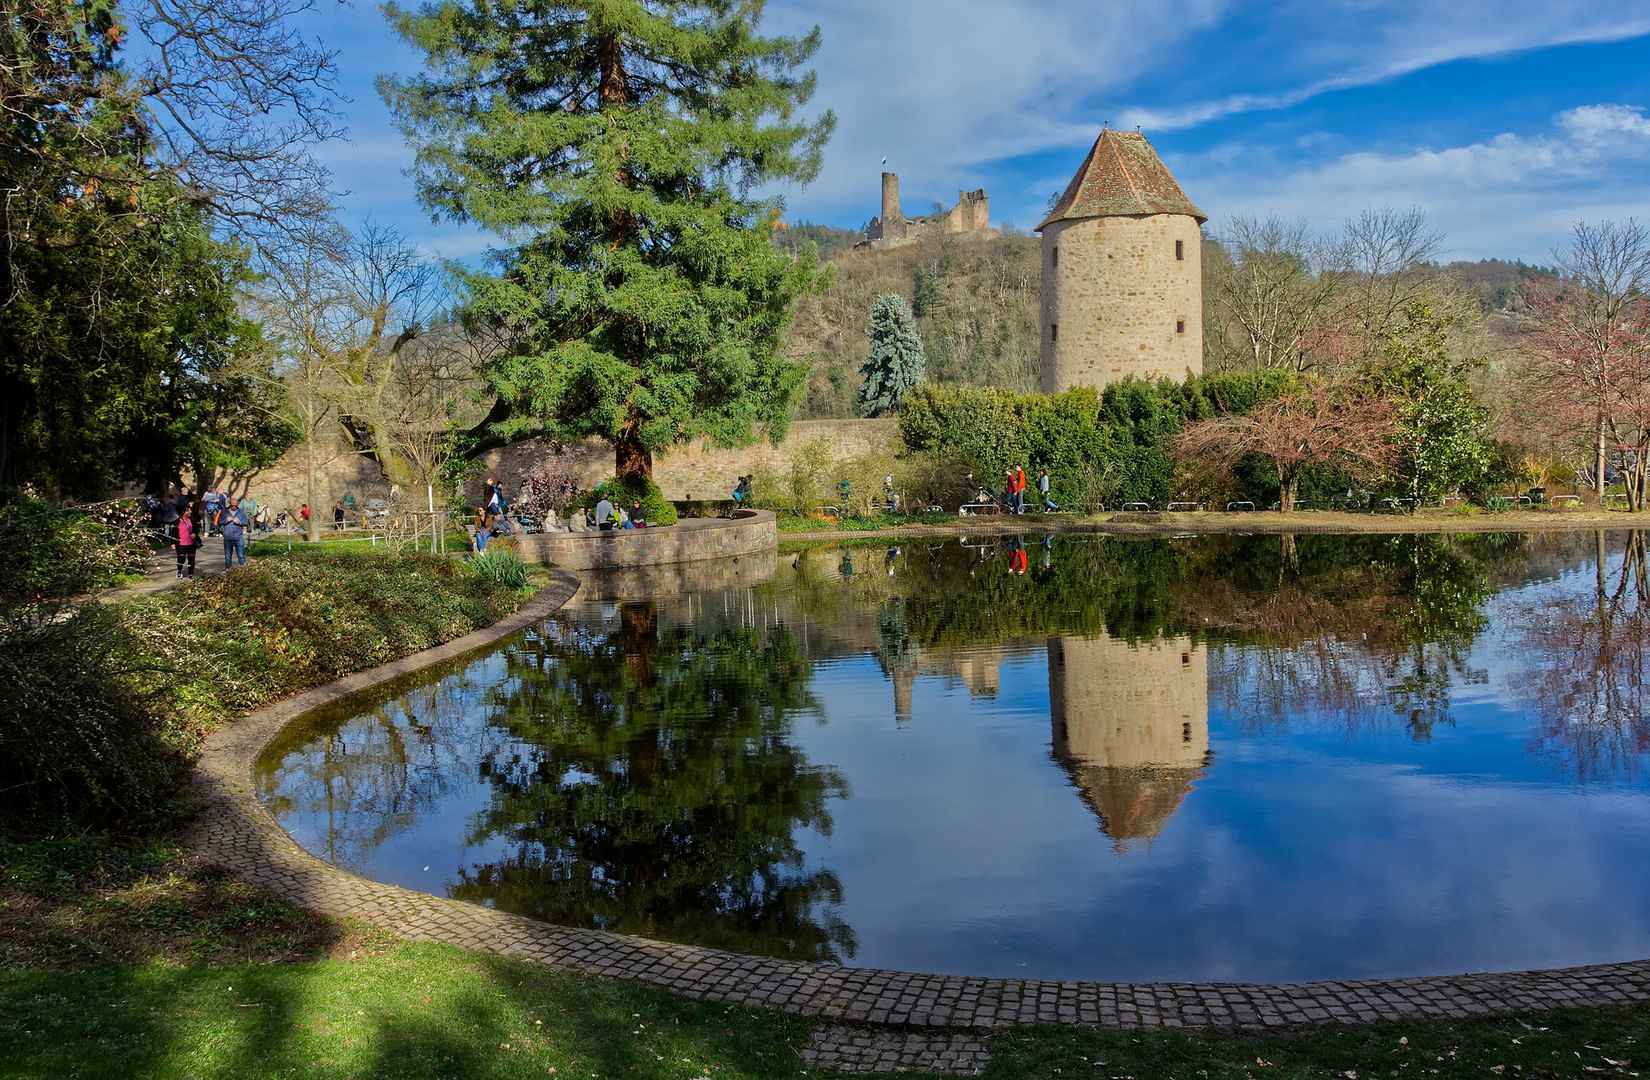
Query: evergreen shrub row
(1109, 447)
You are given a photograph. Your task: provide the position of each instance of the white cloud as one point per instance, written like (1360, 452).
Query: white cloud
(949, 89)
(1511, 195)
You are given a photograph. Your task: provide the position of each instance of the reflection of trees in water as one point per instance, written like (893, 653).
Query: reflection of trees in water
(661, 794)
(1367, 641)
(376, 775)
(1370, 628)
(1590, 693)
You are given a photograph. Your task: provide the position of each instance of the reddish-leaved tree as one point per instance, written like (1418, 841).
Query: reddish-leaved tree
(1589, 356)
(1336, 425)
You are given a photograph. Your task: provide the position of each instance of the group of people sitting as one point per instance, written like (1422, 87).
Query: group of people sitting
(493, 517)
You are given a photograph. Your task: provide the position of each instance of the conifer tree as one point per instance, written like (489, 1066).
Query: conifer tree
(614, 144)
(895, 365)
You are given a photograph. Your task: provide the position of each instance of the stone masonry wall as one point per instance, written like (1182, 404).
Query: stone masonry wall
(1116, 302)
(688, 471)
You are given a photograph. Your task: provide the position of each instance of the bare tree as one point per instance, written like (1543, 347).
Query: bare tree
(307, 316)
(1272, 285)
(238, 100)
(1390, 260)
(1590, 352)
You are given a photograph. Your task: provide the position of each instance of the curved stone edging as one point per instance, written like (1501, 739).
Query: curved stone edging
(238, 833)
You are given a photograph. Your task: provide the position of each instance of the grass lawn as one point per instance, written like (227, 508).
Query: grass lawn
(437, 1011)
(413, 1011)
(125, 958)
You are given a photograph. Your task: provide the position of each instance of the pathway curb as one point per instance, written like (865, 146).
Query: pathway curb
(236, 832)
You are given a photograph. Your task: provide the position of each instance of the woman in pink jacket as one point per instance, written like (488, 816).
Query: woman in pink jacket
(187, 540)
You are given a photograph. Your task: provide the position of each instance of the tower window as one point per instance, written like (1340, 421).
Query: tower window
(1180, 250)
(1053, 332)
(1185, 732)
(1054, 256)
(1180, 326)
(1185, 658)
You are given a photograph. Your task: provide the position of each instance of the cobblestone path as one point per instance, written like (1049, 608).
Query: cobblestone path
(239, 833)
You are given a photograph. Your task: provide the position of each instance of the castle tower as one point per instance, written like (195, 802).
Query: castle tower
(1131, 726)
(1122, 271)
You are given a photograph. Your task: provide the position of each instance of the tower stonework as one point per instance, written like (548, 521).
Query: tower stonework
(1122, 271)
(1131, 726)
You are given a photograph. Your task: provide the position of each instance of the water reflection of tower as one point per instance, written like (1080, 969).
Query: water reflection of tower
(1131, 725)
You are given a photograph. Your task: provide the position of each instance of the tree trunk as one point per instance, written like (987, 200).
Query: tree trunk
(1599, 537)
(1288, 485)
(631, 459)
(1598, 477)
(312, 528)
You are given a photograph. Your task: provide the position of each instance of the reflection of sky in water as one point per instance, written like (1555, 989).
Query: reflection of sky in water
(1308, 850)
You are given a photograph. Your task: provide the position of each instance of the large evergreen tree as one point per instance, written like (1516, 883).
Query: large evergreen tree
(615, 144)
(895, 365)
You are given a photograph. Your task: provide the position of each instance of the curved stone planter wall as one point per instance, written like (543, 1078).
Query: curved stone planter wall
(689, 540)
(238, 833)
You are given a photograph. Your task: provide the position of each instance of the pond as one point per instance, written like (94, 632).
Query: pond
(1217, 758)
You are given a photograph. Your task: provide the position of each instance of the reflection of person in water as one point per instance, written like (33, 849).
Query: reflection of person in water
(1018, 561)
(888, 561)
(1048, 551)
(846, 567)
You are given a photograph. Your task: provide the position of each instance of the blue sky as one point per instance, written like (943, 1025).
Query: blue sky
(1506, 122)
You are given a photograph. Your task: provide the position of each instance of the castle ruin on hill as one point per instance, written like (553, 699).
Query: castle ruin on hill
(971, 215)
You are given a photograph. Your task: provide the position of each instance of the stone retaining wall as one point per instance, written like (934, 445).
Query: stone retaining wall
(750, 532)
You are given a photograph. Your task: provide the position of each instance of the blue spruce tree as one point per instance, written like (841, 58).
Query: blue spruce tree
(895, 365)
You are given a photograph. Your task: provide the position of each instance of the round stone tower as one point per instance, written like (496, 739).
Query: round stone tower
(1122, 271)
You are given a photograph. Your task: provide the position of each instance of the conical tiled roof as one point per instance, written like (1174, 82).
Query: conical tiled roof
(1122, 177)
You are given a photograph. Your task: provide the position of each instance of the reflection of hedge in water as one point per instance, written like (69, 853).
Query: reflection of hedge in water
(1366, 627)
(665, 794)
(1386, 590)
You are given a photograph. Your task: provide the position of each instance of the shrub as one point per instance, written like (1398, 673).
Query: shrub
(312, 617)
(80, 736)
(659, 510)
(504, 568)
(51, 553)
(1097, 447)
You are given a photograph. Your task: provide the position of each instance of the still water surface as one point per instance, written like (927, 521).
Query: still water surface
(1253, 758)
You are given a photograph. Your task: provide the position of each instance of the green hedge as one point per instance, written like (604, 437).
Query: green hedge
(1110, 447)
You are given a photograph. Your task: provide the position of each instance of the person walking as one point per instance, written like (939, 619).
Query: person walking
(187, 541)
(212, 500)
(233, 524)
(338, 517)
(1020, 484)
(250, 505)
(1043, 487)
